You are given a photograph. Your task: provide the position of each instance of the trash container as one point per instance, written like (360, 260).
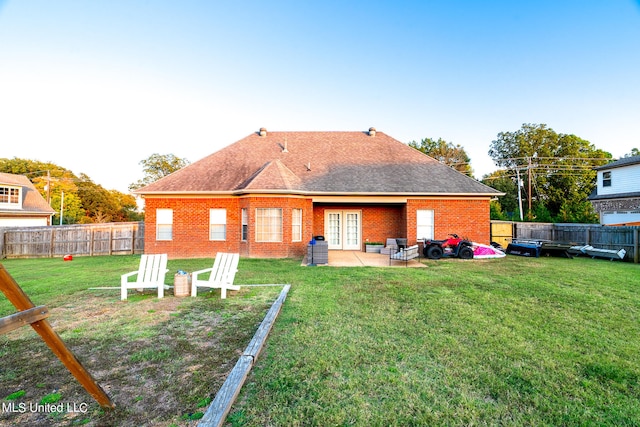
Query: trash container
(182, 284)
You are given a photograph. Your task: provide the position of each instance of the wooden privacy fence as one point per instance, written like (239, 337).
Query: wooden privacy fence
(81, 239)
(602, 237)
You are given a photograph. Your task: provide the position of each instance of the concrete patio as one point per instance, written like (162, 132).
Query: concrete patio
(364, 259)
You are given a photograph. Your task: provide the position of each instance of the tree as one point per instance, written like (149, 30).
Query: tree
(84, 201)
(51, 181)
(101, 205)
(506, 207)
(634, 152)
(158, 166)
(128, 208)
(557, 170)
(445, 152)
(97, 202)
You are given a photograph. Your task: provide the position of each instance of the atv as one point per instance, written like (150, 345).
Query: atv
(454, 247)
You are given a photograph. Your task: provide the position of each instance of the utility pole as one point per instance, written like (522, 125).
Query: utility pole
(519, 192)
(49, 187)
(529, 173)
(61, 206)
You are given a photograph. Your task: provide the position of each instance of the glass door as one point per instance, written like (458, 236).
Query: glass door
(342, 229)
(352, 231)
(333, 229)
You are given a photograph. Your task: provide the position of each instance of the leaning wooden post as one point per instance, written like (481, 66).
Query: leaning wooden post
(21, 301)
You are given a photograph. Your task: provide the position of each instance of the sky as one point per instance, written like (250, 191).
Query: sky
(98, 86)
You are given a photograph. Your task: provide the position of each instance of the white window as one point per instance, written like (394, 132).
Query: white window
(245, 224)
(424, 224)
(10, 197)
(164, 224)
(296, 225)
(606, 179)
(217, 224)
(268, 225)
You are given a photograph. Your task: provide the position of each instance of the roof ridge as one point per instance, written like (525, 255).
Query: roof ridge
(288, 176)
(252, 177)
(289, 179)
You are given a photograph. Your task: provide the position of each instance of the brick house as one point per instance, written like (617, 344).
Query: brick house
(21, 205)
(268, 194)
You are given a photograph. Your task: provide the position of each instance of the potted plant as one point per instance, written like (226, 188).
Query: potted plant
(374, 247)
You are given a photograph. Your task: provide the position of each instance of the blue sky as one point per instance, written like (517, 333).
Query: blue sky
(97, 86)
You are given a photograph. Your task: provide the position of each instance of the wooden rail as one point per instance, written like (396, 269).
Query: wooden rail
(219, 409)
(23, 318)
(36, 317)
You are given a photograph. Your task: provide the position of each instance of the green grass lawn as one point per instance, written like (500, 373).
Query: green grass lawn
(514, 341)
(160, 361)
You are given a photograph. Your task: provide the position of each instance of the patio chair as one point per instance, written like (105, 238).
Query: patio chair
(150, 274)
(391, 247)
(222, 275)
(405, 254)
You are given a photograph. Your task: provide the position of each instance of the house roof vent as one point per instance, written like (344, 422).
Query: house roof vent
(372, 131)
(263, 131)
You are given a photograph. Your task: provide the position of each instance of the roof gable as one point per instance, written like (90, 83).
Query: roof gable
(32, 200)
(325, 162)
(272, 176)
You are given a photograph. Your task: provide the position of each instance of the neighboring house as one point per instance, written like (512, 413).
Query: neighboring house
(617, 194)
(268, 194)
(21, 204)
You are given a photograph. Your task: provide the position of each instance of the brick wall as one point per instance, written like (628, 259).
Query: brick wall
(467, 218)
(286, 248)
(191, 227)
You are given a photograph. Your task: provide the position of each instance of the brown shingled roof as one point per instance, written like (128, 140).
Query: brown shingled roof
(318, 162)
(32, 201)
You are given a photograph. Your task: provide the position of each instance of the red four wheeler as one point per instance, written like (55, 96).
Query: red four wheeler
(454, 247)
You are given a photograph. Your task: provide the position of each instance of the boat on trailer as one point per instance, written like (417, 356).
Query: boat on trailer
(589, 250)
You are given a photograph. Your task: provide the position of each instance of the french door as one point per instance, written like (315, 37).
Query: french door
(342, 229)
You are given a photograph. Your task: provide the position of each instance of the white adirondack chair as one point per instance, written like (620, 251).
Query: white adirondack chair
(150, 274)
(222, 275)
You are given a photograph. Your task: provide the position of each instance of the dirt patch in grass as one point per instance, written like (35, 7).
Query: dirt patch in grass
(160, 361)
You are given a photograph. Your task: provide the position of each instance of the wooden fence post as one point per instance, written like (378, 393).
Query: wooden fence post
(51, 241)
(21, 301)
(588, 235)
(134, 230)
(110, 240)
(1, 243)
(636, 253)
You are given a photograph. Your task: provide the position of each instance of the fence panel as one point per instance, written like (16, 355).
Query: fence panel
(85, 239)
(501, 232)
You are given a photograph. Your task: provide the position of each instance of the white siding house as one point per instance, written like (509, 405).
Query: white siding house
(21, 205)
(617, 194)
